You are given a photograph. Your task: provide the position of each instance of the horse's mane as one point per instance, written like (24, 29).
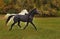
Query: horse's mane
(31, 11)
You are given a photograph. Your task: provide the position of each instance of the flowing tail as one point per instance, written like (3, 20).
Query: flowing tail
(9, 18)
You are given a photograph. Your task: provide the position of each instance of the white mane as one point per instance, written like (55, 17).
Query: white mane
(23, 12)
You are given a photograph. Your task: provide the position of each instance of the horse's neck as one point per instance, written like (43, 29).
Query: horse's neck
(31, 14)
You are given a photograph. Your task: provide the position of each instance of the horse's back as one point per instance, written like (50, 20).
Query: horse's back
(21, 18)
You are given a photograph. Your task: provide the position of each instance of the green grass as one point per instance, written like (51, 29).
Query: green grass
(48, 28)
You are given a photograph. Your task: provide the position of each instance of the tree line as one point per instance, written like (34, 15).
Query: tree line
(46, 7)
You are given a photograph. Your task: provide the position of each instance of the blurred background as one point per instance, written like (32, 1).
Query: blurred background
(47, 8)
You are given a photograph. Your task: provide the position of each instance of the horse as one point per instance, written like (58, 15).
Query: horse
(23, 12)
(24, 18)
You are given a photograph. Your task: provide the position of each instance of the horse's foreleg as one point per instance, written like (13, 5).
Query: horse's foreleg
(26, 25)
(19, 24)
(11, 27)
(33, 25)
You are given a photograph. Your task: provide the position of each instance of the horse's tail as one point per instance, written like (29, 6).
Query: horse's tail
(9, 18)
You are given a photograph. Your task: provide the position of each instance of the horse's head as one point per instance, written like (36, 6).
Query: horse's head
(35, 11)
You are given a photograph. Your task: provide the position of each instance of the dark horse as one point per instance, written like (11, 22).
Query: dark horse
(24, 18)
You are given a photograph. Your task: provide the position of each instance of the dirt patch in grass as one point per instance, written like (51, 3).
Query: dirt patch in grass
(2, 17)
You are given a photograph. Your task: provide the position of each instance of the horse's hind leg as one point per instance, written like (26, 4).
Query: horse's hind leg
(33, 25)
(19, 24)
(11, 26)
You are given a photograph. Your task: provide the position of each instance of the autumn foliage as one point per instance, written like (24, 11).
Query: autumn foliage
(46, 7)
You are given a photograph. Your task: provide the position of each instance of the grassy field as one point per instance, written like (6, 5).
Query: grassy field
(48, 28)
